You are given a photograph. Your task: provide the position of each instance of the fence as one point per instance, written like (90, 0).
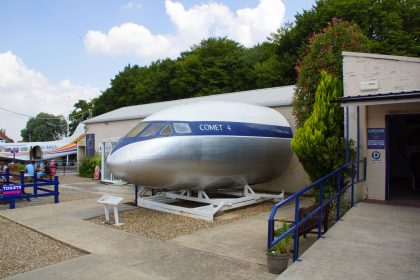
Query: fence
(16, 184)
(341, 179)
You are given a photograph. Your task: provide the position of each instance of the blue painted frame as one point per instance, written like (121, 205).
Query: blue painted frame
(37, 186)
(294, 228)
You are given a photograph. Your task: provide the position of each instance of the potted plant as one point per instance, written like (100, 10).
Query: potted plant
(278, 255)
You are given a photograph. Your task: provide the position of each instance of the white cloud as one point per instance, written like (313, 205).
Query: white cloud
(131, 5)
(28, 92)
(247, 26)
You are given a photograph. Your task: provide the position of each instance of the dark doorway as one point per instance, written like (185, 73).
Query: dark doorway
(403, 150)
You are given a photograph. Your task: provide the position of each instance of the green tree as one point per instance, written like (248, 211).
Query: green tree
(44, 127)
(82, 111)
(323, 53)
(122, 92)
(216, 65)
(391, 26)
(319, 143)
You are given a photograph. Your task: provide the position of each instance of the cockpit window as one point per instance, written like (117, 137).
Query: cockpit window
(167, 130)
(138, 129)
(152, 129)
(182, 128)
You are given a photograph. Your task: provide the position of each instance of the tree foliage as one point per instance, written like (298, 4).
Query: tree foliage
(219, 65)
(323, 53)
(214, 66)
(392, 27)
(82, 111)
(44, 127)
(319, 143)
(87, 166)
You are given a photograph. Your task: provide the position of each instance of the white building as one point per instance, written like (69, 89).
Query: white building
(382, 94)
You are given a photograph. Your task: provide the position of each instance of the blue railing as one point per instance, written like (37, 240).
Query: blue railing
(38, 185)
(343, 178)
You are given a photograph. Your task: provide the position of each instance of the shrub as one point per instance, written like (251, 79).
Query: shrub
(284, 245)
(319, 143)
(324, 53)
(87, 165)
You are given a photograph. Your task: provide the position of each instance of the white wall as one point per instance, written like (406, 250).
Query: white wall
(107, 130)
(393, 74)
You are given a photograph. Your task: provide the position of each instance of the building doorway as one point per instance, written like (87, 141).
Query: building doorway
(403, 158)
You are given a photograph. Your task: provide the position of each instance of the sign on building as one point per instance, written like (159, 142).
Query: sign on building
(376, 138)
(90, 144)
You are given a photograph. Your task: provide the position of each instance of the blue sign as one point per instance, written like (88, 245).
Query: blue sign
(376, 155)
(90, 145)
(376, 138)
(14, 150)
(10, 191)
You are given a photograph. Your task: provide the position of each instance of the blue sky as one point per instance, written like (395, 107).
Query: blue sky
(53, 53)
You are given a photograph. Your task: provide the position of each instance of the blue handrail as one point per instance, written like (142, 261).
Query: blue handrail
(294, 228)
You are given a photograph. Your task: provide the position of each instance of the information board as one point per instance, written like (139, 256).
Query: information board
(90, 145)
(109, 199)
(376, 138)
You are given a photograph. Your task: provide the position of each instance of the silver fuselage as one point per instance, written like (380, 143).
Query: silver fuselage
(201, 162)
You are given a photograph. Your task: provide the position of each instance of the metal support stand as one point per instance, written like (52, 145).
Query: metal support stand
(209, 203)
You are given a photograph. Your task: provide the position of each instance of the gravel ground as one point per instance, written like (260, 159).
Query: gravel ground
(23, 249)
(165, 226)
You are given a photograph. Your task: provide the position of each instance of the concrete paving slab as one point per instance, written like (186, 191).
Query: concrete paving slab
(372, 242)
(245, 239)
(131, 254)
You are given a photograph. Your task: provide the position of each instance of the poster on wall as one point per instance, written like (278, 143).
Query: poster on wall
(90, 145)
(376, 138)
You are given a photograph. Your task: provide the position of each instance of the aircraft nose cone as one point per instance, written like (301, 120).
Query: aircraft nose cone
(118, 164)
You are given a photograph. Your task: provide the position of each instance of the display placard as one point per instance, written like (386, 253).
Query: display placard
(376, 138)
(111, 200)
(90, 144)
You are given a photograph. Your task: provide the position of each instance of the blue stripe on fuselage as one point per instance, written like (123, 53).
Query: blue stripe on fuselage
(212, 128)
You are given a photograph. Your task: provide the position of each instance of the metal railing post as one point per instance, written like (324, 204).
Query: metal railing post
(337, 216)
(35, 183)
(136, 192)
(352, 184)
(7, 176)
(358, 142)
(321, 199)
(22, 181)
(22, 178)
(296, 233)
(347, 134)
(12, 203)
(56, 193)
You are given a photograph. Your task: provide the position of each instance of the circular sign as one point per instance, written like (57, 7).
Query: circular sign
(376, 155)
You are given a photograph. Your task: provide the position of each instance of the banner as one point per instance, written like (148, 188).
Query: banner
(10, 191)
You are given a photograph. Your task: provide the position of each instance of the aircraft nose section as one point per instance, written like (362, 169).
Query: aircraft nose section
(118, 163)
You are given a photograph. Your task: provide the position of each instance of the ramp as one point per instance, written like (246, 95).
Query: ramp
(371, 242)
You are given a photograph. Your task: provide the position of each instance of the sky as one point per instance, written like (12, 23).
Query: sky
(55, 52)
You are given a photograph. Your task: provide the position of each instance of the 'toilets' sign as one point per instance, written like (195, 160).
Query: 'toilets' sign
(11, 191)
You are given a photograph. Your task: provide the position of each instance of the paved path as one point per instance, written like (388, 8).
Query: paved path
(119, 255)
(372, 242)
